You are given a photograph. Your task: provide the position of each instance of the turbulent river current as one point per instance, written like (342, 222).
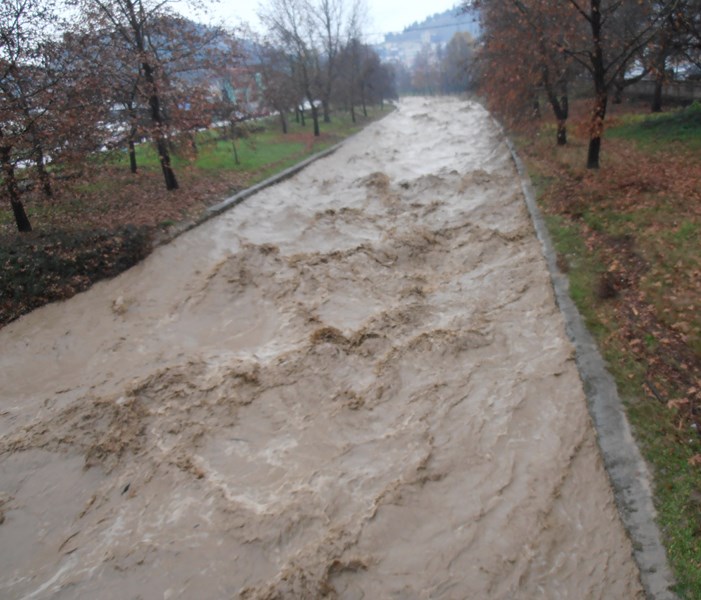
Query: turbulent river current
(354, 385)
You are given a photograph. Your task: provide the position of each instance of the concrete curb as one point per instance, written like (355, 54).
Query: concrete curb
(217, 209)
(627, 470)
(225, 205)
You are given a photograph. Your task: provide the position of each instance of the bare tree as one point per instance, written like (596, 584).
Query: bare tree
(347, 91)
(338, 21)
(280, 91)
(458, 63)
(23, 86)
(293, 29)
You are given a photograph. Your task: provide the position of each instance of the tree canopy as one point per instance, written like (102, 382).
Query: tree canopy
(115, 73)
(533, 46)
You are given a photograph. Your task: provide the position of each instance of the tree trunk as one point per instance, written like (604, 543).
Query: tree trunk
(562, 111)
(561, 133)
(302, 120)
(656, 105)
(168, 173)
(132, 156)
(37, 150)
(8, 175)
(352, 112)
(283, 121)
(315, 118)
(233, 143)
(596, 130)
(362, 99)
(663, 51)
(161, 143)
(41, 170)
(133, 128)
(593, 152)
(618, 92)
(327, 111)
(561, 105)
(596, 127)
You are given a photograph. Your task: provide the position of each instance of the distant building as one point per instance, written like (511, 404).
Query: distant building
(435, 31)
(243, 88)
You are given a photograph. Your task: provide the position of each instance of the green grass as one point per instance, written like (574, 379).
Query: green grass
(584, 269)
(265, 149)
(688, 232)
(670, 242)
(656, 131)
(666, 447)
(62, 256)
(610, 221)
(252, 157)
(677, 492)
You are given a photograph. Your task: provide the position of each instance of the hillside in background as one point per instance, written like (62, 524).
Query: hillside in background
(439, 28)
(434, 31)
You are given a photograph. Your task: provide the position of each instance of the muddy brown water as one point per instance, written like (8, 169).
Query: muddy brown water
(356, 385)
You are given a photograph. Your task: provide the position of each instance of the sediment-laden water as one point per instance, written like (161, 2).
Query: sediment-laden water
(354, 385)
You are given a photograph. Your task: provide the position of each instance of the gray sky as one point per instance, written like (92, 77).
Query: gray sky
(383, 15)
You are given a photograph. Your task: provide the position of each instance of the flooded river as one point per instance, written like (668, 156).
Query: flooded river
(354, 385)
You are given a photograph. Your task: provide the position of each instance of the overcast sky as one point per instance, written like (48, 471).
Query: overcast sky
(384, 15)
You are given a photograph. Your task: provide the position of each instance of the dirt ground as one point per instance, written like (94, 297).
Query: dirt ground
(356, 385)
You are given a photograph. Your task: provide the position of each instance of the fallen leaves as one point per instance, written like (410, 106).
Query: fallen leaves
(639, 217)
(94, 228)
(43, 267)
(677, 404)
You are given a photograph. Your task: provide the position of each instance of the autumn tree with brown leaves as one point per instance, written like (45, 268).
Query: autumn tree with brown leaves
(348, 90)
(190, 58)
(613, 31)
(518, 59)
(135, 22)
(155, 64)
(599, 36)
(425, 71)
(688, 18)
(376, 79)
(25, 87)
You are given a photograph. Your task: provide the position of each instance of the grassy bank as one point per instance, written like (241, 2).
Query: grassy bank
(629, 237)
(103, 219)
